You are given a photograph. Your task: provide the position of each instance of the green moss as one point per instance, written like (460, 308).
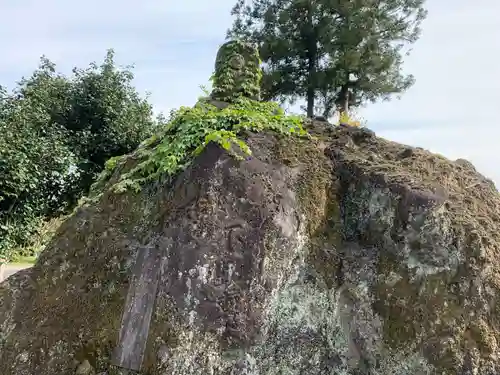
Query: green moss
(111, 164)
(317, 190)
(421, 315)
(110, 167)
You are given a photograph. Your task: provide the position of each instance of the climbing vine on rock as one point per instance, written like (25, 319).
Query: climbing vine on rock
(191, 129)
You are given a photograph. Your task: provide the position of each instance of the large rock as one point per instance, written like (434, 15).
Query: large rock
(347, 254)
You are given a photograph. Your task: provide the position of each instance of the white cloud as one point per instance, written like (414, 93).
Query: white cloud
(455, 65)
(172, 45)
(452, 109)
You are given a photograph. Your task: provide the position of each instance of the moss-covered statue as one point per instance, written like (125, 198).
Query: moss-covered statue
(237, 73)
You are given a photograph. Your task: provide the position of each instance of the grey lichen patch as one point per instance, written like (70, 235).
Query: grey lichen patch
(368, 211)
(196, 353)
(318, 330)
(407, 277)
(7, 324)
(486, 341)
(397, 364)
(85, 368)
(416, 273)
(11, 297)
(430, 246)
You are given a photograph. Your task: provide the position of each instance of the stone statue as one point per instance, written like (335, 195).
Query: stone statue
(237, 72)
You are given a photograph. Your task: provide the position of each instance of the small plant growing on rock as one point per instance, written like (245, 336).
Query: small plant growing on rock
(192, 129)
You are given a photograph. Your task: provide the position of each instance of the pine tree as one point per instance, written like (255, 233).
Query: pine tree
(344, 52)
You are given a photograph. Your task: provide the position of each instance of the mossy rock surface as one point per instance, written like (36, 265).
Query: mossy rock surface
(340, 254)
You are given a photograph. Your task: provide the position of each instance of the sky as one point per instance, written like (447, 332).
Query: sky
(453, 109)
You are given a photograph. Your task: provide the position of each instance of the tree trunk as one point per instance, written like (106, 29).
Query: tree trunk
(312, 55)
(310, 101)
(329, 106)
(345, 107)
(344, 97)
(343, 101)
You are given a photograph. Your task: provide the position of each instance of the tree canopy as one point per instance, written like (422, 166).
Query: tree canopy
(333, 53)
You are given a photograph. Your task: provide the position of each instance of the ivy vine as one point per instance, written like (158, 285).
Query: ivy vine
(190, 130)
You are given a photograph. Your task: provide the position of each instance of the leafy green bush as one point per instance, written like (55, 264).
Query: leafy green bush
(56, 134)
(106, 117)
(29, 251)
(35, 171)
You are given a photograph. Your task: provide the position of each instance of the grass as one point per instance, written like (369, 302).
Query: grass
(29, 253)
(21, 260)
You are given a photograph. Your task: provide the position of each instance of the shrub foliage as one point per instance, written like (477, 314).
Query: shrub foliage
(56, 134)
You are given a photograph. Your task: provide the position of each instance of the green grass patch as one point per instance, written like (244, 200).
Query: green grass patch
(22, 260)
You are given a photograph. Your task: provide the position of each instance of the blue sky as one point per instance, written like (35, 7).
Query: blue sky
(453, 109)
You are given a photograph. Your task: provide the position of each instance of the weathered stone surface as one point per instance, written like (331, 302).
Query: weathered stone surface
(343, 255)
